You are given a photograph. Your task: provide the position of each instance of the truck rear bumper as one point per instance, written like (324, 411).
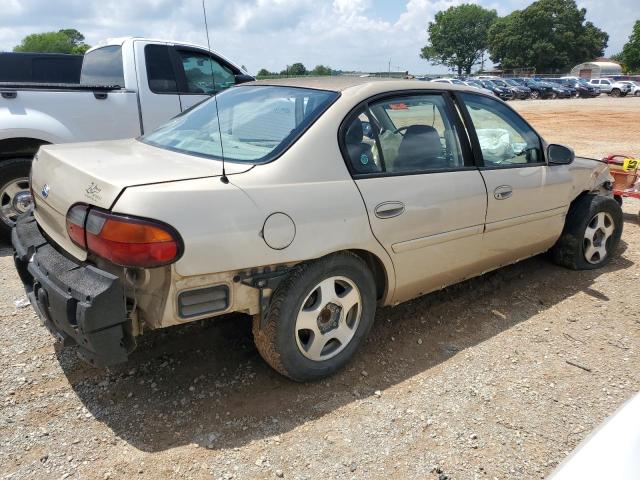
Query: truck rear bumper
(79, 304)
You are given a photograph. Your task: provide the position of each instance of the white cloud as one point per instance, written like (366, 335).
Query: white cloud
(347, 34)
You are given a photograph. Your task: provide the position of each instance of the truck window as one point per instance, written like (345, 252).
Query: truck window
(103, 66)
(160, 73)
(198, 69)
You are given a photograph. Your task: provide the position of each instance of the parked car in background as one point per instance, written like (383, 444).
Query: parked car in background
(40, 67)
(583, 88)
(519, 91)
(635, 87)
(477, 85)
(304, 229)
(537, 90)
(565, 84)
(127, 87)
(557, 90)
(500, 92)
(612, 87)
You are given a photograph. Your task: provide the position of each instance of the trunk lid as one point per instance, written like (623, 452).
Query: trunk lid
(97, 172)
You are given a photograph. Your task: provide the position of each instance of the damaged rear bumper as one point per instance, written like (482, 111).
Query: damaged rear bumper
(79, 304)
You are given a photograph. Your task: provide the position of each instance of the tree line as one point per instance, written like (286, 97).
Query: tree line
(548, 35)
(296, 70)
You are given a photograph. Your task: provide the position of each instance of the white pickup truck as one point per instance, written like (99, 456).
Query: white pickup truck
(128, 87)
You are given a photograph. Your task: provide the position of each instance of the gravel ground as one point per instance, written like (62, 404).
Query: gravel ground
(471, 382)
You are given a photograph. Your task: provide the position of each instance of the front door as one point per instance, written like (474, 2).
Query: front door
(527, 199)
(425, 200)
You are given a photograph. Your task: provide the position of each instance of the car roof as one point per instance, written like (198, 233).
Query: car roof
(342, 83)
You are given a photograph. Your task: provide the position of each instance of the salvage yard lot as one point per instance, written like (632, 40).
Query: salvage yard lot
(471, 382)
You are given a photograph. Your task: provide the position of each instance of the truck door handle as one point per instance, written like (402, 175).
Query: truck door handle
(502, 192)
(9, 95)
(389, 209)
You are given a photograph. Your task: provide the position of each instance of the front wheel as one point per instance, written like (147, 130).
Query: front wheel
(591, 233)
(318, 317)
(615, 92)
(15, 197)
(535, 94)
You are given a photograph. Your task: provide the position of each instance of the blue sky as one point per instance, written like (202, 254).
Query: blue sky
(345, 34)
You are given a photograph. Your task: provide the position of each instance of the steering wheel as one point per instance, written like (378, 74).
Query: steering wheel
(401, 129)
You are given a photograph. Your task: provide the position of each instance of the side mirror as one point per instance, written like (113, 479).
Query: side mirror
(560, 155)
(243, 78)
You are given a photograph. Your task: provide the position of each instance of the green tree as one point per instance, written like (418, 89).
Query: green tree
(295, 70)
(458, 37)
(264, 73)
(549, 35)
(630, 55)
(320, 70)
(68, 40)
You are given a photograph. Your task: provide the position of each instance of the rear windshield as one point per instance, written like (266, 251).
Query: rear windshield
(257, 123)
(103, 66)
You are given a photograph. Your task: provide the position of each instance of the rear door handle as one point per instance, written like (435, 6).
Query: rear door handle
(389, 209)
(502, 192)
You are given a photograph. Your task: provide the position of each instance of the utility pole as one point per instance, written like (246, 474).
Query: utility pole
(389, 68)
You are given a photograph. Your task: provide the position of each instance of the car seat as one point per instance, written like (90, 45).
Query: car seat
(420, 149)
(360, 153)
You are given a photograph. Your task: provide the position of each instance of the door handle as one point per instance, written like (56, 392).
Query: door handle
(502, 192)
(389, 209)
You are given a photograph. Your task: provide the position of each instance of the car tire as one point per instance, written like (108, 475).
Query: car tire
(307, 298)
(591, 233)
(554, 95)
(14, 180)
(535, 94)
(615, 92)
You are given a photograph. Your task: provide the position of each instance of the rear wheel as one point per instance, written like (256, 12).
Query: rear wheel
(318, 317)
(591, 233)
(637, 94)
(15, 197)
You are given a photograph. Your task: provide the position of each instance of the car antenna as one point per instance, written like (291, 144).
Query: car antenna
(223, 178)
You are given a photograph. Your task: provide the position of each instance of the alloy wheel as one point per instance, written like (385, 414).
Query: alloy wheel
(599, 231)
(328, 319)
(15, 199)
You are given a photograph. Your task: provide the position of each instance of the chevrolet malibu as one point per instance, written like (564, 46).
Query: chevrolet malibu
(306, 204)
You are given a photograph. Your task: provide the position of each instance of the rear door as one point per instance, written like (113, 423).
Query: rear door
(157, 84)
(200, 75)
(425, 200)
(527, 199)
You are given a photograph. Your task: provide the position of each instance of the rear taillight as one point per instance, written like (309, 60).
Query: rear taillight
(123, 240)
(76, 216)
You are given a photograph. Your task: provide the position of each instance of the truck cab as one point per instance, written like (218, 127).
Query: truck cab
(128, 87)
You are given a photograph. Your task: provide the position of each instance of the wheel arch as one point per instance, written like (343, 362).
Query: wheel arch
(379, 271)
(16, 147)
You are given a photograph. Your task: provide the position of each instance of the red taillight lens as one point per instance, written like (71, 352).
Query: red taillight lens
(123, 240)
(131, 242)
(76, 217)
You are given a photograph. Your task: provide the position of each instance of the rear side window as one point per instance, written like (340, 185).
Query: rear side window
(160, 72)
(400, 135)
(103, 66)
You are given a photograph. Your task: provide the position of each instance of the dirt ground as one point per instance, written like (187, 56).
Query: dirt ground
(469, 383)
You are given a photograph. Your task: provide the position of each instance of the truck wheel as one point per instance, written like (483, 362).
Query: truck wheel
(591, 233)
(615, 92)
(15, 197)
(318, 317)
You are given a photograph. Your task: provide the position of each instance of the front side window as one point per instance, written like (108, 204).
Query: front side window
(256, 123)
(505, 138)
(408, 134)
(198, 71)
(103, 66)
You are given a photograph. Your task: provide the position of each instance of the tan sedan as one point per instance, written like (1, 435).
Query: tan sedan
(305, 203)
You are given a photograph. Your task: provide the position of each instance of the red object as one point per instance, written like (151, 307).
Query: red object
(121, 239)
(626, 182)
